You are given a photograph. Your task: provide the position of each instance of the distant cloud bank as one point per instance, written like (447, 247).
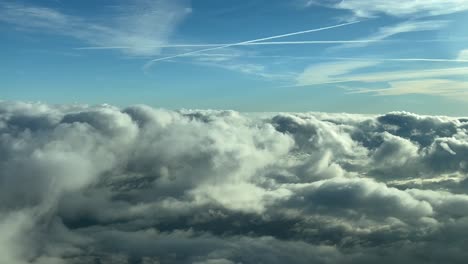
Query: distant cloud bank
(100, 184)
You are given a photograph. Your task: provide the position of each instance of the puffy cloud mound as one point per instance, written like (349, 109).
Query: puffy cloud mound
(81, 184)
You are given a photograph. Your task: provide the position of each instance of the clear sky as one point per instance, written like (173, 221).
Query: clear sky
(355, 56)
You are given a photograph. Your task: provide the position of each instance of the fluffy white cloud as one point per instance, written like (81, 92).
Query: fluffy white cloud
(82, 184)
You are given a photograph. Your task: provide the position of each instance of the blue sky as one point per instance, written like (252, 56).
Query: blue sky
(337, 56)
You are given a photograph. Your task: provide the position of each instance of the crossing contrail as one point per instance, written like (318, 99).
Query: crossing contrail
(265, 43)
(302, 42)
(147, 65)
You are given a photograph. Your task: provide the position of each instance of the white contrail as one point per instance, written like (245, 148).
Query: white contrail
(393, 59)
(313, 42)
(303, 42)
(336, 58)
(247, 42)
(152, 46)
(425, 59)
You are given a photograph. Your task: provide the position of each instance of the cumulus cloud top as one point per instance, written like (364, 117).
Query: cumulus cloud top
(82, 184)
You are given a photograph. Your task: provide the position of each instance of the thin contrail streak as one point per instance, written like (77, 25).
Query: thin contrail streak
(247, 42)
(338, 58)
(424, 59)
(304, 42)
(152, 46)
(313, 42)
(394, 59)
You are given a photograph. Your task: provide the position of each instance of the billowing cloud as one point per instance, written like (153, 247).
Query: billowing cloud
(100, 184)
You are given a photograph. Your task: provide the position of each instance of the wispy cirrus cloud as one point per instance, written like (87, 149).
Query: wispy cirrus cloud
(406, 75)
(442, 87)
(412, 15)
(331, 72)
(392, 30)
(141, 26)
(398, 8)
(243, 62)
(342, 72)
(446, 81)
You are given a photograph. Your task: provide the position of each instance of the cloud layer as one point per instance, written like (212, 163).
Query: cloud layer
(100, 184)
